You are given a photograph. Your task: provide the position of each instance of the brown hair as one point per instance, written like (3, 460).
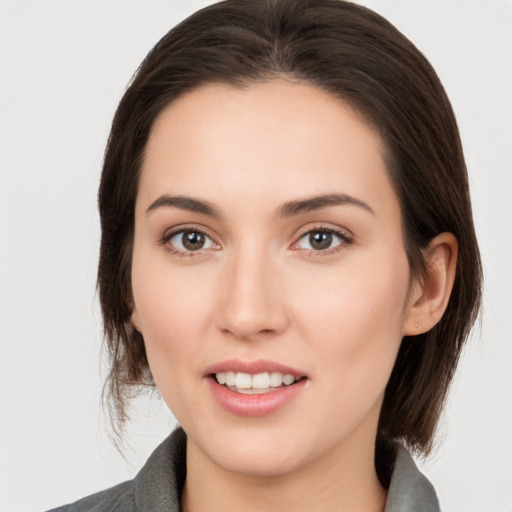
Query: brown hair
(356, 55)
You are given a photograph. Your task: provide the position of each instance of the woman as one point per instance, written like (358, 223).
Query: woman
(288, 255)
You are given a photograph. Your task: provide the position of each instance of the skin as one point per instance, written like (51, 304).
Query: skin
(258, 291)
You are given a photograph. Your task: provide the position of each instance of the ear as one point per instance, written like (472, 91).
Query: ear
(135, 320)
(430, 295)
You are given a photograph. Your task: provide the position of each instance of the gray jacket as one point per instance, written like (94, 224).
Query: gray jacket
(157, 486)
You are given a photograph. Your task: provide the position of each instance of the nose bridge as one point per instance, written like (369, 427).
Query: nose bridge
(251, 302)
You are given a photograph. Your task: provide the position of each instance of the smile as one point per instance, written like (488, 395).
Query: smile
(254, 388)
(259, 383)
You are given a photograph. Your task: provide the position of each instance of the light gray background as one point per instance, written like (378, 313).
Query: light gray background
(63, 68)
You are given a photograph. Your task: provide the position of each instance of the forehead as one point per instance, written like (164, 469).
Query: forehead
(275, 138)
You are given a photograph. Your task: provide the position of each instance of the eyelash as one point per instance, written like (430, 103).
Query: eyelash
(346, 239)
(168, 236)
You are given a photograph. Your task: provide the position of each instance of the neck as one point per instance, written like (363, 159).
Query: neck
(344, 479)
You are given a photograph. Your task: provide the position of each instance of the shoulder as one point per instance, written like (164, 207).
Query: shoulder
(157, 486)
(119, 498)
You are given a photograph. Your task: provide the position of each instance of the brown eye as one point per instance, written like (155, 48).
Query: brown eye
(320, 240)
(190, 241)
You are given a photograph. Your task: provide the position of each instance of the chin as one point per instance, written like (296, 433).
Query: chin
(261, 462)
(253, 452)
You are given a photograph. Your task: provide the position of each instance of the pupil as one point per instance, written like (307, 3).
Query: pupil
(320, 240)
(193, 241)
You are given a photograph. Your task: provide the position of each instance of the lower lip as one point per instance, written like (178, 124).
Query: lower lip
(254, 405)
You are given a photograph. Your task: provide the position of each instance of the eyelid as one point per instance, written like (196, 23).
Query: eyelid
(181, 228)
(346, 235)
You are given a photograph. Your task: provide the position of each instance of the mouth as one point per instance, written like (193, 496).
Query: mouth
(254, 388)
(255, 384)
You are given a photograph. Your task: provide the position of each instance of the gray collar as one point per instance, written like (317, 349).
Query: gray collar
(158, 485)
(410, 490)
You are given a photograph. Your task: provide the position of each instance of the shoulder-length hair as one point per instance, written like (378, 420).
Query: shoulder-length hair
(355, 55)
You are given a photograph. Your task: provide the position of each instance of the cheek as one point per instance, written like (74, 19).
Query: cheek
(168, 298)
(170, 308)
(171, 312)
(354, 315)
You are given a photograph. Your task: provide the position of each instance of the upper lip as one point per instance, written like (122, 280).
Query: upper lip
(253, 367)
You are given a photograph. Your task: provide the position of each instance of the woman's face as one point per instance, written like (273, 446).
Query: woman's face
(268, 242)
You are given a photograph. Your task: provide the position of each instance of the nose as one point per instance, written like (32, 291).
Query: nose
(251, 301)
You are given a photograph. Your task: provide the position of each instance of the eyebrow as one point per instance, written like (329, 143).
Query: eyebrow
(288, 209)
(297, 207)
(185, 203)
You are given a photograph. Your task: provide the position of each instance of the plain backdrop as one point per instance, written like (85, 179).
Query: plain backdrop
(63, 67)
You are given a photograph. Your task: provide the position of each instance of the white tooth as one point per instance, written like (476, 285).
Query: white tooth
(230, 378)
(243, 380)
(276, 379)
(288, 379)
(221, 377)
(254, 391)
(261, 380)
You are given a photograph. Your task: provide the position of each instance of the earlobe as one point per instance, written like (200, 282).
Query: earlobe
(134, 319)
(429, 298)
